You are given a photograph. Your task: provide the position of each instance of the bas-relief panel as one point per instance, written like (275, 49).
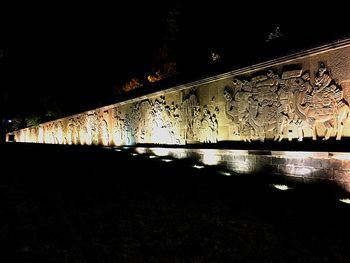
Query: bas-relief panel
(275, 105)
(166, 121)
(287, 105)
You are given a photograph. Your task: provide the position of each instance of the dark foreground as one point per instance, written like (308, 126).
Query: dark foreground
(82, 204)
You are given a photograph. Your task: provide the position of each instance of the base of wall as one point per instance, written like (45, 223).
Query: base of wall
(299, 166)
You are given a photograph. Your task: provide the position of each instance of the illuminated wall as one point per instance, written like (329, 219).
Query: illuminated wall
(305, 95)
(295, 166)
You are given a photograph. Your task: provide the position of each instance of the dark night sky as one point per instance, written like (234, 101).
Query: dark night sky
(78, 54)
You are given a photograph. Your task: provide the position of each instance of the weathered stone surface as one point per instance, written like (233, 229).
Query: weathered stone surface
(286, 169)
(315, 163)
(345, 164)
(277, 160)
(263, 160)
(342, 175)
(323, 174)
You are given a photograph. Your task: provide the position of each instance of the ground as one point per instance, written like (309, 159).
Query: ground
(85, 204)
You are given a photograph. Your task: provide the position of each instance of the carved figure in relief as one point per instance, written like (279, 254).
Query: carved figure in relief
(172, 123)
(187, 114)
(103, 130)
(93, 127)
(326, 105)
(196, 123)
(208, 126)
(58, 133)
(118, 127)
(82, 128)
(274, 103)
(72, 131)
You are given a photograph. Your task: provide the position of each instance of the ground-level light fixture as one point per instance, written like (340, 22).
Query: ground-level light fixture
(198, 166)
(345, 200)
(225, 173)
(281, 187)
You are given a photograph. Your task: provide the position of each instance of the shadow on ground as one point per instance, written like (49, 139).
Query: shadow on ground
(85, 204)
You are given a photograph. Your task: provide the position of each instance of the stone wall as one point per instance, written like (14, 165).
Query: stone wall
(300, 166)
(305, 95)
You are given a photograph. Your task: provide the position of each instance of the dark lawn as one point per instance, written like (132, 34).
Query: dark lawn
(83, 204)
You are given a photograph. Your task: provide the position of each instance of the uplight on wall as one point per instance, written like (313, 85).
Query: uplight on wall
(41, 135)
(141, 150)
(105, 137)
(210, 156)
(161, 151)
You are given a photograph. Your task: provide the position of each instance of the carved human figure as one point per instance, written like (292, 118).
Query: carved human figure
(187, 115)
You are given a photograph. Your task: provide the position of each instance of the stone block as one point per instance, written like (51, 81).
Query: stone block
(244, 158)
(262, 160)
(341, 175)
(286, 169)
(303, 171)
(312, 162)
(228, 157)
(346, 164)
(278, 160)
(323, 174)
(335, 163)
(295, 161)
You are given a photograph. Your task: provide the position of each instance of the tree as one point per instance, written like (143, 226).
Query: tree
(164, 62)
(132, 84)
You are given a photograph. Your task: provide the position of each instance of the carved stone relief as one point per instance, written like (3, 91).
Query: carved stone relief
(269, 104)
(119, 130)
(159, 121)
(292, 104)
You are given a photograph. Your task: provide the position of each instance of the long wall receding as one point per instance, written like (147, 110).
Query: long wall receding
(305, 95)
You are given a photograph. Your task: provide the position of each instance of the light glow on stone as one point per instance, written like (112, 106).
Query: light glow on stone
(161, 151)
(27, 136)
(41, 135)
(167, 160)
(198, 166)
(60, 137)
(241, 166)
(178, 153)
(141, 150)
(160, 135)
(210, 156)
(291, 154)
(105, 137)
(303, 171)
